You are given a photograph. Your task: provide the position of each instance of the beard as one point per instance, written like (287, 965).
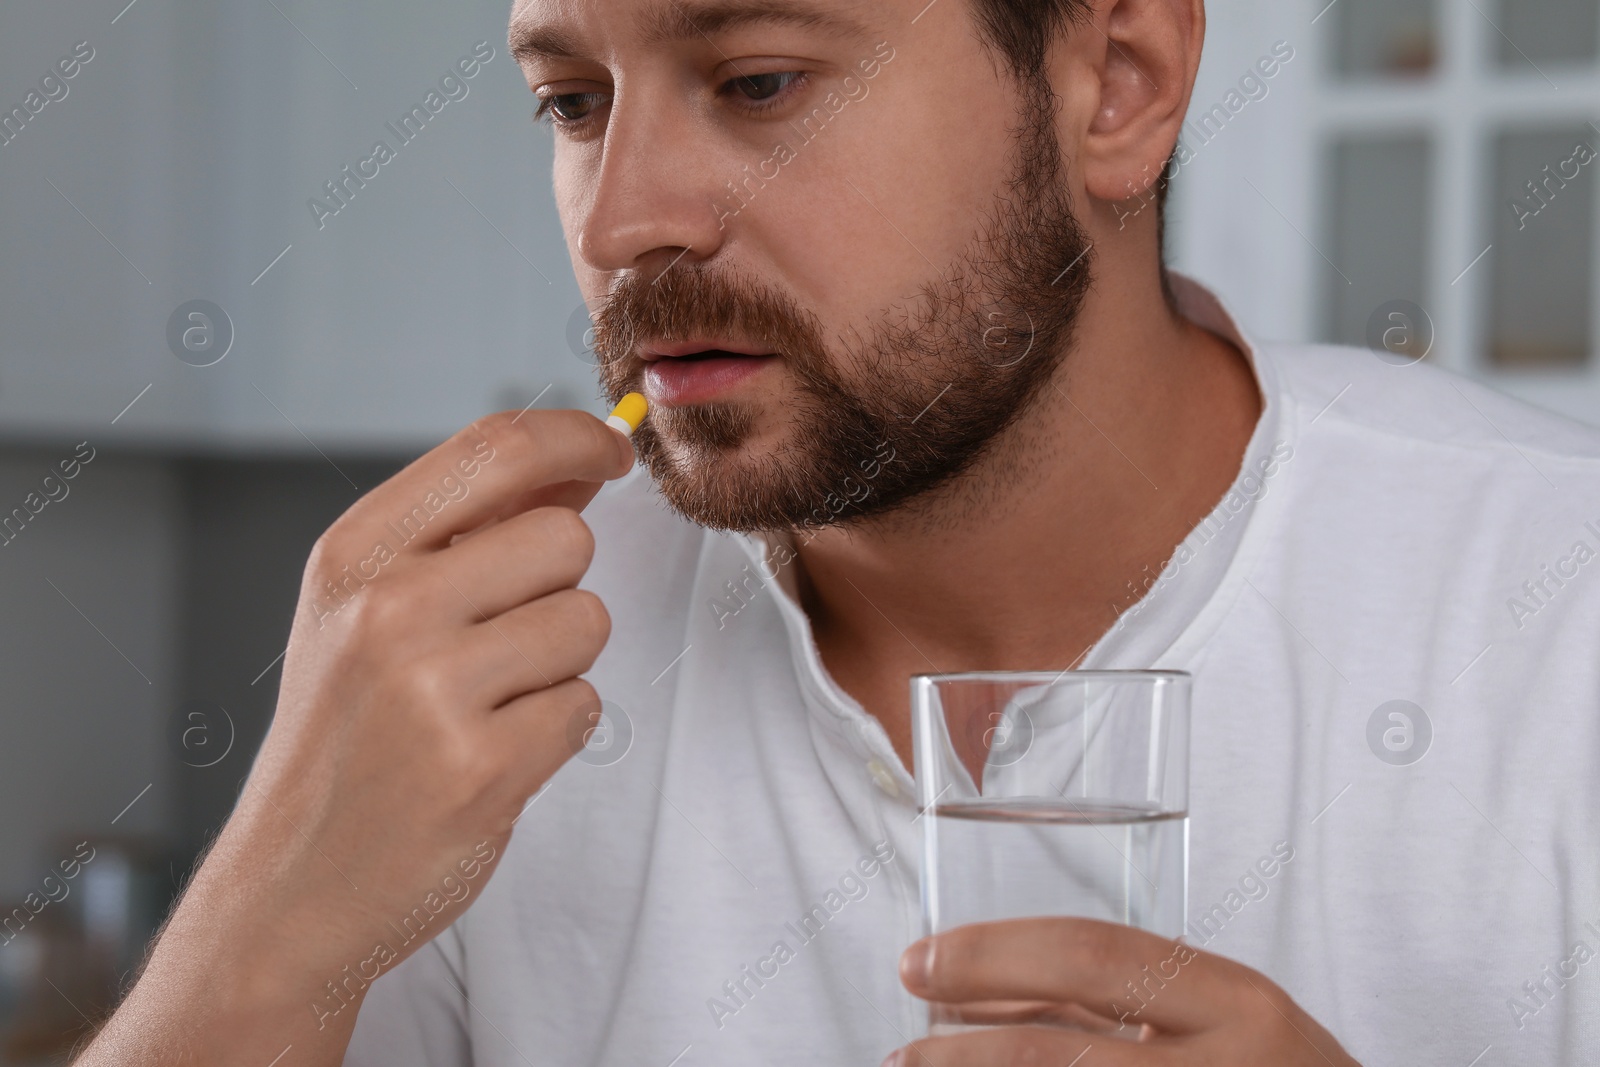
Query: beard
(904, 408)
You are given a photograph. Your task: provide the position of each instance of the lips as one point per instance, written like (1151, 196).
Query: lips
(693, 348)
(698, 371)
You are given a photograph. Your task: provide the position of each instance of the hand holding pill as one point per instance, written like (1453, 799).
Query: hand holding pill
(432, 674)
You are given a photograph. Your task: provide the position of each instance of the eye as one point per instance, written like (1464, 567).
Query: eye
(567, 109)
(762, 89)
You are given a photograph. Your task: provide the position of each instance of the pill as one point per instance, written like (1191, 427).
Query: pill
(628, 414)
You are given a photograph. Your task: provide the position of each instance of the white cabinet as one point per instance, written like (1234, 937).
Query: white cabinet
(190, 147)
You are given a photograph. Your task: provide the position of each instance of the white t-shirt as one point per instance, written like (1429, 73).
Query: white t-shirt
(737, 887)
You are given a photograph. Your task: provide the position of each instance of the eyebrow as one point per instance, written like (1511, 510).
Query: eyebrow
(676, 20)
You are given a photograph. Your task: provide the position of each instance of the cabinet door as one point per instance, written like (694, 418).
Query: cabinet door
(1417, 151)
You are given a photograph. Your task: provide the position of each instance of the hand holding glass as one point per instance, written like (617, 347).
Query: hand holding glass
(1052, 794)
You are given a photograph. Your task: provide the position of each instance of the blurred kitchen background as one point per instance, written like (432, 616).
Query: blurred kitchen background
(223, 372)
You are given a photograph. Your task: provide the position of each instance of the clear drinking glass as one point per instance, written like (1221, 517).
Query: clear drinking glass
(1051, 793)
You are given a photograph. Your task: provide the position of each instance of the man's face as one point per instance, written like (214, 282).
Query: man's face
(830, 243)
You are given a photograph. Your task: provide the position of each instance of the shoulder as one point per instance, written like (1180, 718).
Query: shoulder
(1421, 407)
(1412, 485)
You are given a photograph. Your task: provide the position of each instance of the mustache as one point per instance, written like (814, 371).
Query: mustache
(699, 301)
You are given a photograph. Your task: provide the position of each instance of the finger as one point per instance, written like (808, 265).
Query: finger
(531, 647)
(1034, 1013)
(1007, 1046)
(575, 495)
(1125, 973)
(537, 732)
(478, 475)
(508, 564)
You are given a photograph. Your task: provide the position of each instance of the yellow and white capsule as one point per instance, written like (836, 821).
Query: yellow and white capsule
(628, 414)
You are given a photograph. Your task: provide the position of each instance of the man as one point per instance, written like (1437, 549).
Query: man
(923, 400)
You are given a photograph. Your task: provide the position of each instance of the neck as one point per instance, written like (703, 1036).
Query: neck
(1025, 560)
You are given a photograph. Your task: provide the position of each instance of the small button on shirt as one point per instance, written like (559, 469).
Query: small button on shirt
(1393, 623)
(882, 778)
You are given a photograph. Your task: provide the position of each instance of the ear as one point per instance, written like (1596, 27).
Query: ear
(1144, 54)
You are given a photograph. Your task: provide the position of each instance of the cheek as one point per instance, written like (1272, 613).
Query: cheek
(866, 214)
(570, 183)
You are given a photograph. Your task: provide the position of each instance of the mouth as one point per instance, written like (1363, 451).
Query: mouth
(698, 371)
(696, 348)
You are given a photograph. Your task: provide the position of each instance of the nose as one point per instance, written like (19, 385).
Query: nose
(653, 201)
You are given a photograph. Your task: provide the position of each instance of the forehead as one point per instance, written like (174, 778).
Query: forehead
(572, 28)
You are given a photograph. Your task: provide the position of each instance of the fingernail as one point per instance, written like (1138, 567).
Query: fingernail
(894, 1059)
(916, 964)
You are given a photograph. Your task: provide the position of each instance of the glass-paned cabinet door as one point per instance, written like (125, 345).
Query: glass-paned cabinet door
(1376, 229)
(1458, 128)
(1384, 37)
(1540, 31)
(1543, 270)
